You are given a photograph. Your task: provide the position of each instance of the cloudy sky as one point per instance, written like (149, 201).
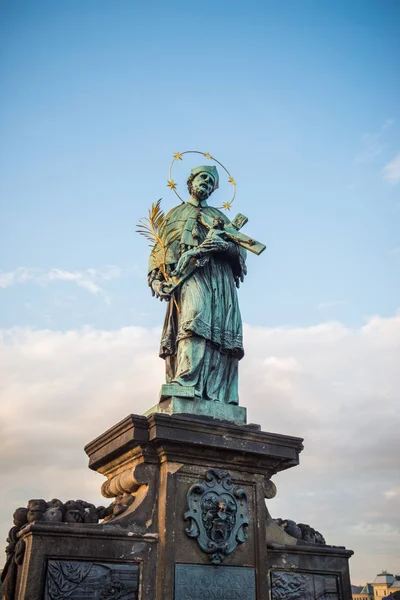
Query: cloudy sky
(300, 101)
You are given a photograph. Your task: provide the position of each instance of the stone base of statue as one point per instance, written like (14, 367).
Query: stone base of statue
(189, 521)
(178, 400)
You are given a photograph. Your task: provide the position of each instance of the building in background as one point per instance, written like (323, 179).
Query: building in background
(363, 593)
(384, 586)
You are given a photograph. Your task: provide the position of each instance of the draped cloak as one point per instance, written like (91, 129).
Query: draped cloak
(202, 342)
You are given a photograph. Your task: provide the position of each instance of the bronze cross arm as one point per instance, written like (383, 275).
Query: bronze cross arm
(232, 231)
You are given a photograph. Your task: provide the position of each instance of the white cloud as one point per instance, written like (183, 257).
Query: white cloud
(391, 172)
(392, 493)
(372, 144)
(89, 279)
(337, 387)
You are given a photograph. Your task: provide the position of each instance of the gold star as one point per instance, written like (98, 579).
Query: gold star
(207, 155)
(178, 156)
(231, 180)
(171, 184)
(227, 205)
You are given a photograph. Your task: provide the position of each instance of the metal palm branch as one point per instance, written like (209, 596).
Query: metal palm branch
(151, 228)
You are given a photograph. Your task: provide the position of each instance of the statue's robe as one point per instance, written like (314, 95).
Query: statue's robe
(202, 342)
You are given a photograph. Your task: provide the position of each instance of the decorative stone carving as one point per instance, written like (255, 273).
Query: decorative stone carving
(119, 506)
(217, 515)
(54, 511)
(286, 585)
(36, 510)
(310, 535)
(269, 489)
(15, 551)
(301, 531)
(81, 579)
(131, 487)
(129, 481)
(289, 586)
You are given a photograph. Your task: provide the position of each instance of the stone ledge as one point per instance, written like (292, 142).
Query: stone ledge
(86, 530)
(313, 549)
(120, 438)
(222, 436)
(183, 435)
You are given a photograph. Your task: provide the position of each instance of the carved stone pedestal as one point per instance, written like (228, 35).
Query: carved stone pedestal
(200, 486)
(188, 521)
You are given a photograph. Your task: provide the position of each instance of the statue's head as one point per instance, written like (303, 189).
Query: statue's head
(36, 510)
(203, 181)
(74, 512)
(54, 512)
(20, 517)
(218, 223)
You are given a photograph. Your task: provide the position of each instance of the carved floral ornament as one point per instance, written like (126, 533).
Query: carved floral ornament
(217, 515)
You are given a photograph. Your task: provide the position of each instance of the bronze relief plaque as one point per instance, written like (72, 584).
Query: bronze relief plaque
(86, 580)
(289, 585)
(204, 582)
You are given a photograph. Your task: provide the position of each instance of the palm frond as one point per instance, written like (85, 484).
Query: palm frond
(154, 229)
(156, 215)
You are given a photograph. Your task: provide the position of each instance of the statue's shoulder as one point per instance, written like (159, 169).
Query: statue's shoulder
(173, 211)
(213, 212)
(180, 213)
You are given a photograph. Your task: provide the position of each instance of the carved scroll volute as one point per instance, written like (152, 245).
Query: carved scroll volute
(129, 481)
(269, 489)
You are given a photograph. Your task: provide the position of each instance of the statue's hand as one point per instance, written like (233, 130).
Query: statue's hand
(215, 244)
(183, 262)
(162, 289)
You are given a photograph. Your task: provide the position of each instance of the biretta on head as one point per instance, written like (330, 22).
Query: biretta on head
(210, 169)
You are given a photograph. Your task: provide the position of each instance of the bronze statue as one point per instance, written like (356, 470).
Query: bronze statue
(197, 262)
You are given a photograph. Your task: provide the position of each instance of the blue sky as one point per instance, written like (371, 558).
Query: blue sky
(299, 99)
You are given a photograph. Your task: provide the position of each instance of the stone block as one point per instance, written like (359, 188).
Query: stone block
(174, 389)
(204, 408)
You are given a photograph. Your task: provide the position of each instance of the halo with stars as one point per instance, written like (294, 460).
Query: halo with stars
(179, 156)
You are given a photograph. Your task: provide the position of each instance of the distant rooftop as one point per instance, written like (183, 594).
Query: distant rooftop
(384, 578)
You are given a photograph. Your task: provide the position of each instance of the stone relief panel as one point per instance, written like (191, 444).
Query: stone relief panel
(52, 512)
(82, 580)
(287, 585)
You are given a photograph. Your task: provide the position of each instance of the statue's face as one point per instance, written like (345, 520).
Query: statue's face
(72, 513)
(36, 510)
(53, 514)
(218, 223)
(202, 186)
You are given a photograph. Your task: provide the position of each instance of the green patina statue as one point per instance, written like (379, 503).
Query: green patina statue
(197, 263)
